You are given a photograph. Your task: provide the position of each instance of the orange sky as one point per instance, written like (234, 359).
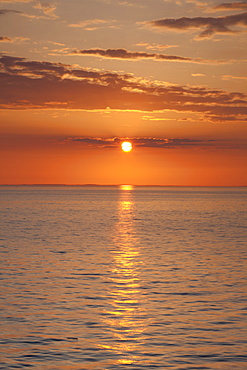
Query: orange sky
(77, 78)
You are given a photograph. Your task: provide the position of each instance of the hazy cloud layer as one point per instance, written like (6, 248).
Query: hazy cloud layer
(45, 85)
(209, 25)
(135, 55)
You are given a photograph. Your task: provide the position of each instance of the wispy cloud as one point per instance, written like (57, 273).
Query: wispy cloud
(199, 4)
(9, 11)
(56, 43)
(208, 25)
(125, 3)
(155, 46)
(45, 85)
(152, 118)
(16, 1)
(13, 40)
(131, 4)
(135, 55)
(230, 77)
(197, 75)
(222, 118)
(242, 5)
(94, 24)
(5, 39)
(47, 8)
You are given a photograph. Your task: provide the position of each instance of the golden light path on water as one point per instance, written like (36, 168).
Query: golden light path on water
(127, 319)
(106, 278)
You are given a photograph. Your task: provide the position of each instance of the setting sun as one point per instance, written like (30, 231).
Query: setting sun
(126, 146)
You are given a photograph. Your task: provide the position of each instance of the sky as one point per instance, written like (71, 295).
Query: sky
(79, 77)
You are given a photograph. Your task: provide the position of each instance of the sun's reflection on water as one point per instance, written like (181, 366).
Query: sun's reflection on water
(126, 315)
(126, 187)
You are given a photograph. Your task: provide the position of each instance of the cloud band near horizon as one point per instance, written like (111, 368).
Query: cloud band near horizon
(144, 142)
(153, 142)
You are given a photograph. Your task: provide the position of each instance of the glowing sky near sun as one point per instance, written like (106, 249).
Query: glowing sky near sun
(80, 77)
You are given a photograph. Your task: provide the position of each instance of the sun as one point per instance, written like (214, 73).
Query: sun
(126, 146)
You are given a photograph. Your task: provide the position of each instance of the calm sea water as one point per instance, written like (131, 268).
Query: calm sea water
(123, 278)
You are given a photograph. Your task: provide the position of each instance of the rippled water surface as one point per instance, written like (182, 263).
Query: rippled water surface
(123, 278)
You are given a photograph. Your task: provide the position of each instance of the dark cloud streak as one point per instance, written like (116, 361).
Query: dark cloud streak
(136, 55)
(5, 39)
(124, 54)
(9, 11)
(211, 25)
(231, 6)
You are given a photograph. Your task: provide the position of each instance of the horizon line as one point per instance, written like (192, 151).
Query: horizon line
(134, 185)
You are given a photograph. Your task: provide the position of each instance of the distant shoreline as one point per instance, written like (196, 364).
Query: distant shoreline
(119, 185)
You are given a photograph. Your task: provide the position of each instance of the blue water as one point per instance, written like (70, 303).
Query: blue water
(123, 278)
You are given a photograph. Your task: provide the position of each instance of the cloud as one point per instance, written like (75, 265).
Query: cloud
(136, 55)
(231, 6)
(199, 4)
(5, 39)
(210, 25)
(125, 3)
(16, 1)
(94, 24)
(154, 143)
(229, 77)
(45, 85)
(131, 4)
(151, 118)
(144, 142)
(221, 118)
(8, 11)
(15, 40)
(155, 46)
(47, 8)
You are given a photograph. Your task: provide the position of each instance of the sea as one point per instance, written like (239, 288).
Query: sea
(124, 277)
